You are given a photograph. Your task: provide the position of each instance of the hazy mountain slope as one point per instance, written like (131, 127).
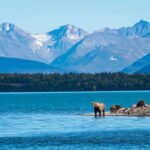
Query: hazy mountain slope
(138, 65)
(13, 65)
(145, 70)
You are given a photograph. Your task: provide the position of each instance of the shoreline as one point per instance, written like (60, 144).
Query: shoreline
(69, 92)
(117, 114)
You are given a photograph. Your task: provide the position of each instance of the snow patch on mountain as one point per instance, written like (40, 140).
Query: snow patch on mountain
(39, 41)
(112, 58)
(73, 32)
(41, 37)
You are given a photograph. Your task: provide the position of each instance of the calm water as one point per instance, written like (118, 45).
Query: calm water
(47, 121)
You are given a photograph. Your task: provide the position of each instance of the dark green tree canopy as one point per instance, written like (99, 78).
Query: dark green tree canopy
(73, 82)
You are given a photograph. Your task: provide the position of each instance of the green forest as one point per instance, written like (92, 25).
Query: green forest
(73, 82)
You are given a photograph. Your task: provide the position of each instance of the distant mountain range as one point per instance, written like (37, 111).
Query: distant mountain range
(16, 43)
(71, 49)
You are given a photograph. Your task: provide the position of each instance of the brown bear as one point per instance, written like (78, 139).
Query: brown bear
(114, 108)
(140, 103)
(99, 107)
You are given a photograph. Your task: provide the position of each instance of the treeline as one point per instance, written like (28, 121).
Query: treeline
(73, 82)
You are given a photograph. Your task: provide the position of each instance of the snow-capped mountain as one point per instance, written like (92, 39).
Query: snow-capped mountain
(16, 43)
(58, 41)
(107, 50)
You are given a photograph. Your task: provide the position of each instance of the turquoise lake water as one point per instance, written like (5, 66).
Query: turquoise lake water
(52, 121)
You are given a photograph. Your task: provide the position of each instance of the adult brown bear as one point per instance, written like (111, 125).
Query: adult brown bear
(99, 108)
(140, 103)
(114, 108)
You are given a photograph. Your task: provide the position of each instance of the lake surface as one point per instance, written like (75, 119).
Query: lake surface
(52, 121)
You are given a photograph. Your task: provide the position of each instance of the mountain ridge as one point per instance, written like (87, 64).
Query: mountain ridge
(115, 50)
(75, 50)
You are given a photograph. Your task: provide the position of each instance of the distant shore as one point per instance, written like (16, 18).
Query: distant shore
(11, 92)
(73, 82)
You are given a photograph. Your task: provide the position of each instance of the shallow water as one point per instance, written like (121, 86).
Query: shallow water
(37, 121)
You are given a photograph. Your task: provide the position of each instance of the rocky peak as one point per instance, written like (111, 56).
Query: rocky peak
(7, 27)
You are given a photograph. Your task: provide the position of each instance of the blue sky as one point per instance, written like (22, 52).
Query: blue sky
(39, 16)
